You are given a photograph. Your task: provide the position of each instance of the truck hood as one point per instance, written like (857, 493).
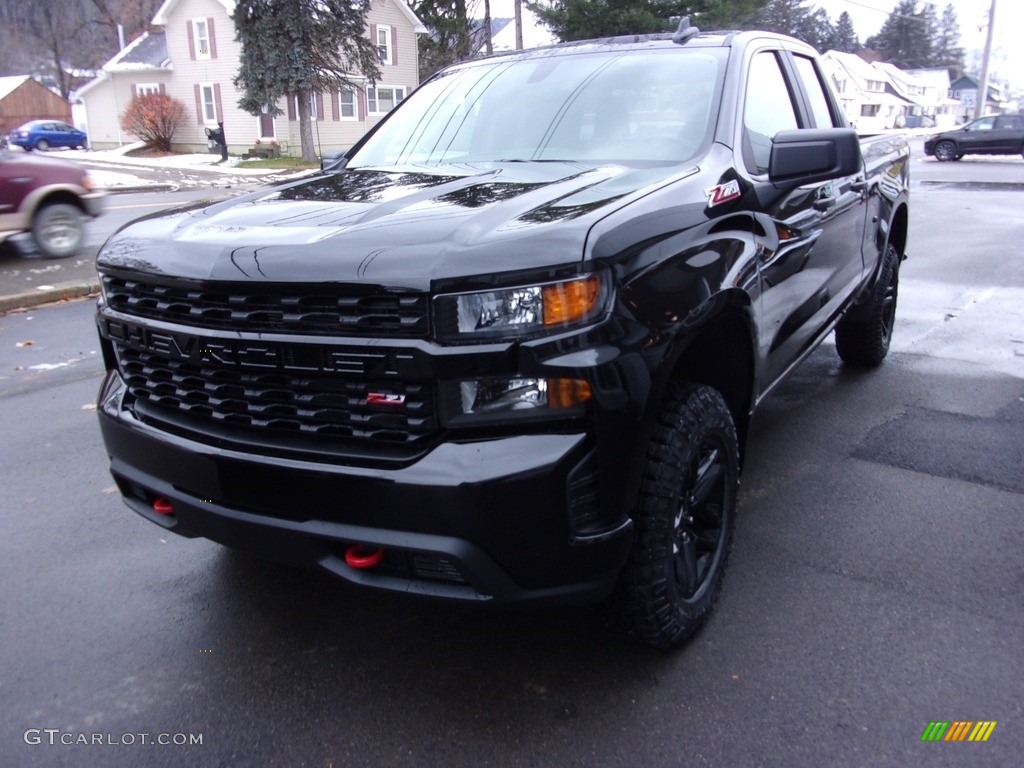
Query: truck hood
(401, 227)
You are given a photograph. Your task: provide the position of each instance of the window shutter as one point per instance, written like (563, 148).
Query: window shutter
(135, 91)
(199, 105)
(163, 88)
(394, 45)
(361, 104)
(216, 101)
(191, 40)
(336, 105)
(291, 108)
(319, 107)
(213, 38)
(373, 36)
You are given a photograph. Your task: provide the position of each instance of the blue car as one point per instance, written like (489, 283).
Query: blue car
(44, 134)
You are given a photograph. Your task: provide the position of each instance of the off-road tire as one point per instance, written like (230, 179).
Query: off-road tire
(58, 230)
(864, 340)
(684, 517)
(945, 151)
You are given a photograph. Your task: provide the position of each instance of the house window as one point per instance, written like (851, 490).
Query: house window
(383, 43)
(347, 104)
(208, 102)
(868, 110)
(147, 89)
(201, 38)
(383, 98)
(313, 115)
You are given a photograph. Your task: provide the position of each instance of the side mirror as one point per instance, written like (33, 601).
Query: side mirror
(812, 155)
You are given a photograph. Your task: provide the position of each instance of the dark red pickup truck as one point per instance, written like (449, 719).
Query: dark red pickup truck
(508, 349)
(49, 198)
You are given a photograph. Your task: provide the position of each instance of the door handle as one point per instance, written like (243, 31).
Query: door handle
(824, 203)
(860, 185)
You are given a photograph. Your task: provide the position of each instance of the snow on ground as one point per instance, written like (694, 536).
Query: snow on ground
(206, 162)
(113, 179)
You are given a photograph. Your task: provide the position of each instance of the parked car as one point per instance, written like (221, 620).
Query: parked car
(508, 355)
(992, 135)
(48, 198)
(44, 134)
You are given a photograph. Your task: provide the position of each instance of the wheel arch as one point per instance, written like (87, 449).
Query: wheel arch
(720, 354)
(52, 196)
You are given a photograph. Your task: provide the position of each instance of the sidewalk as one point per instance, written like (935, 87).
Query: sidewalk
(120, 172)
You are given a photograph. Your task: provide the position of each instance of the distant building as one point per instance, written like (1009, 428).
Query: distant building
(194, 57)
(23, 99)
(965, 91)
(866, 94)
(927, 94)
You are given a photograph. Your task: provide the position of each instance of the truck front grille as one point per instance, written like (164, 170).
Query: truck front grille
(274, 308)
(280, 401)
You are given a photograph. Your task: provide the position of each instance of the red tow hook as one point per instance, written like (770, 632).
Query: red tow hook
(358, 556)
(162, 506)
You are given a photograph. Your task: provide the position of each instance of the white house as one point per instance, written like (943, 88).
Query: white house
(193, 56)
(927, 91)
(862, 89)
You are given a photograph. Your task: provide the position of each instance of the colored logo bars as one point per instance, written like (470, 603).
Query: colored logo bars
(958, 730)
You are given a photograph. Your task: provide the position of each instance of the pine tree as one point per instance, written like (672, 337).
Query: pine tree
(449, 40)
(300, 48)
(583, 19)
(816, 30)
(783, 16)
(845, 37)
(946, 50)
(903, 39)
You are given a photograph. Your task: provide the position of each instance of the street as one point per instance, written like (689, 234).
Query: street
(875, 584)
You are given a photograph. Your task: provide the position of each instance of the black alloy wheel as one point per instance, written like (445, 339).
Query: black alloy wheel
(863, 340)
(945, 151)
(684, 518)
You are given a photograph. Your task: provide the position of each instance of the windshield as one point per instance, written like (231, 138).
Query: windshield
(655, 106)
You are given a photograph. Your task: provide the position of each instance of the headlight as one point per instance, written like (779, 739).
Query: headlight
(516, 312)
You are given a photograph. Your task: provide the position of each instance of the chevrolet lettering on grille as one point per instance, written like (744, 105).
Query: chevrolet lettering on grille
(295, 357)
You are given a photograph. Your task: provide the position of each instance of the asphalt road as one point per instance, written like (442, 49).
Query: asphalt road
(875, 583)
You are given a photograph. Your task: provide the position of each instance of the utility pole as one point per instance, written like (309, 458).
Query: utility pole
(519, 24)
(488, 44)
(979, 108)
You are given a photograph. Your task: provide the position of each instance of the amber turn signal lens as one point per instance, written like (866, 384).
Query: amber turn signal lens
(570, 301)
(565, 393)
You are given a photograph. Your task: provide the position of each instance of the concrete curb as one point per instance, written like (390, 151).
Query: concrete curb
(60, 292)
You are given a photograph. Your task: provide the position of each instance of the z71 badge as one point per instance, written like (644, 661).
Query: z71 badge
(723, 193)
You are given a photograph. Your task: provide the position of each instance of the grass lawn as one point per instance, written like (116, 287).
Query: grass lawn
(280, 163)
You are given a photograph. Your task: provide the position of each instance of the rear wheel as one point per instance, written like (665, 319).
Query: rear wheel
(945, 151)
(864, 340)
(42, 145)
(684, 517)
(58, 230)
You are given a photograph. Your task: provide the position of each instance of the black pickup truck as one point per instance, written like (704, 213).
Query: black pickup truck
(507, 350)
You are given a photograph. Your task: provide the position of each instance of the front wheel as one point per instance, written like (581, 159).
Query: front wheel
(58, 230)
(864, 340)
(42, 145)
(945, 151)
(684, 517)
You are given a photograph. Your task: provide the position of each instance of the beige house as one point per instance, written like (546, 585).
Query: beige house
(192, 55)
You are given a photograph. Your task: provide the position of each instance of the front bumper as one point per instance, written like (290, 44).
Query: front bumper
(93, 203)
(485, 520)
